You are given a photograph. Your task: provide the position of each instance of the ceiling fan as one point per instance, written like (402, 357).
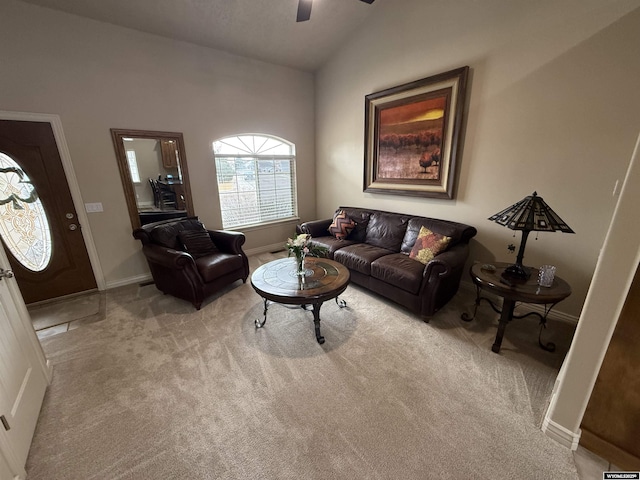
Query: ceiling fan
(304, 9)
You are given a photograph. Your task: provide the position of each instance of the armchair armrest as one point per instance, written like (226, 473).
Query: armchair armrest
(228, 241)
(316, 228)
(167, 257)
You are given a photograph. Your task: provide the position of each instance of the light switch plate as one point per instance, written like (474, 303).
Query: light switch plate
(93, 207)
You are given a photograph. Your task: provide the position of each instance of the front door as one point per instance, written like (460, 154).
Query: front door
(38, 221)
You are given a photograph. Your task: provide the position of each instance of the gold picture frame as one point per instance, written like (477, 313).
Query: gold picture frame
(413, 136)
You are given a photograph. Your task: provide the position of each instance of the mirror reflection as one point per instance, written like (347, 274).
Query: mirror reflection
(154, 175)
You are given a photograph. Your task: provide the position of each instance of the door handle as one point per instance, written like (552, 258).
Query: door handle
(5, 273)
(73, 227)
(5, 424)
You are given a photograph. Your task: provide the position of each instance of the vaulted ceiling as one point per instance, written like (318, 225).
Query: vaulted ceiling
(261, 29)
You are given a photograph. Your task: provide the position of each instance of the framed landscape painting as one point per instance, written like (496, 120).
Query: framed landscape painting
(413, 136)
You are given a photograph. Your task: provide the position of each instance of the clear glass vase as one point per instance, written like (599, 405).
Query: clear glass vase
(300, 271)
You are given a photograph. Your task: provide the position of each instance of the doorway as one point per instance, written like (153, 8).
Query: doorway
(41, 228)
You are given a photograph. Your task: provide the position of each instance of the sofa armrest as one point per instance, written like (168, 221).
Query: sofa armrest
(317, 228)
(442, 278)
(228, 241)
(447, 262)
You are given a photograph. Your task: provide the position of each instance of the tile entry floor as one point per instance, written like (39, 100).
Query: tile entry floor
(58, 317)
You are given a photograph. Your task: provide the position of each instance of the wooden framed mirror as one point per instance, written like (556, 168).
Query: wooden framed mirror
(154, 173)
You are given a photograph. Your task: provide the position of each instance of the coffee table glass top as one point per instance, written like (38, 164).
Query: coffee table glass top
(278, 279)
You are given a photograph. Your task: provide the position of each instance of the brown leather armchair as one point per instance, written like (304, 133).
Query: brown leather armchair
(185, 264)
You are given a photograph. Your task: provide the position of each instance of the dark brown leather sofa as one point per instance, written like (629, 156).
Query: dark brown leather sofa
(196, 275)
(377, 251)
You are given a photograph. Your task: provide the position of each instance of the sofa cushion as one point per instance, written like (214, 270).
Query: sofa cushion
(197, 242)
(386, 230)
(443, 227)
(361, 218)
(212, 267)
(331, 244)
(428, 245)
(342, 225)
(359, 256)
(398, 270)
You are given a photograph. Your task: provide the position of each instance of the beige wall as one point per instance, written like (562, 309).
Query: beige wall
(96, 76)
(553, 108)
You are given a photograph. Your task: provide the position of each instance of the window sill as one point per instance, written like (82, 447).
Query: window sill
(264, 226)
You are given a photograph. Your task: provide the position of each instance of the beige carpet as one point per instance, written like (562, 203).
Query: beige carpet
(160, 391)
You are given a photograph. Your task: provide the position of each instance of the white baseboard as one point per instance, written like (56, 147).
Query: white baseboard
(275, 247)
(146, 277)
(560, 434)
(523, 307)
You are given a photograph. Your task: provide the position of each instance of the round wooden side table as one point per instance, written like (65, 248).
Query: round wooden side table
(512, 291)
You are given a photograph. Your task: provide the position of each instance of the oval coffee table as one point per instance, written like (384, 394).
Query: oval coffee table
(277, 282)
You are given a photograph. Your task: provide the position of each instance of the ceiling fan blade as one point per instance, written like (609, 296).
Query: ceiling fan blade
(304, 10)
(367, 1)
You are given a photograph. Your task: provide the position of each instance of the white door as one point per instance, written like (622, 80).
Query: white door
(23, 377)
(5, 471)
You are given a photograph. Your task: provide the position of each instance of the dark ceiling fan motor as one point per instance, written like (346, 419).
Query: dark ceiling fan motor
(304, 9)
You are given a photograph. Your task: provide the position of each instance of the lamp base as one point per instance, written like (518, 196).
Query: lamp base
(516, 272)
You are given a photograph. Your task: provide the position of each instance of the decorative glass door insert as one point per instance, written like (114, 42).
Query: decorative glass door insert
(23, 222)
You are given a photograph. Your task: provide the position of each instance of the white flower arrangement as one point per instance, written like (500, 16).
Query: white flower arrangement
(301, 246)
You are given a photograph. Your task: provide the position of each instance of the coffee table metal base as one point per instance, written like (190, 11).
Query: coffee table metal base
(316, 316)
(279, 282)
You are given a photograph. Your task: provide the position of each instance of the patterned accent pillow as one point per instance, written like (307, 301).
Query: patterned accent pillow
(341, 226)
(428, 245)
(197, 242)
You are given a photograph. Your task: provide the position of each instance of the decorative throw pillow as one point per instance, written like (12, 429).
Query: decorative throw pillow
(197, 242)
(428, 245)
(341, 226)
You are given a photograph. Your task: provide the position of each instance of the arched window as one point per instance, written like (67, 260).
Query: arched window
(256, 179)
(23, 222)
